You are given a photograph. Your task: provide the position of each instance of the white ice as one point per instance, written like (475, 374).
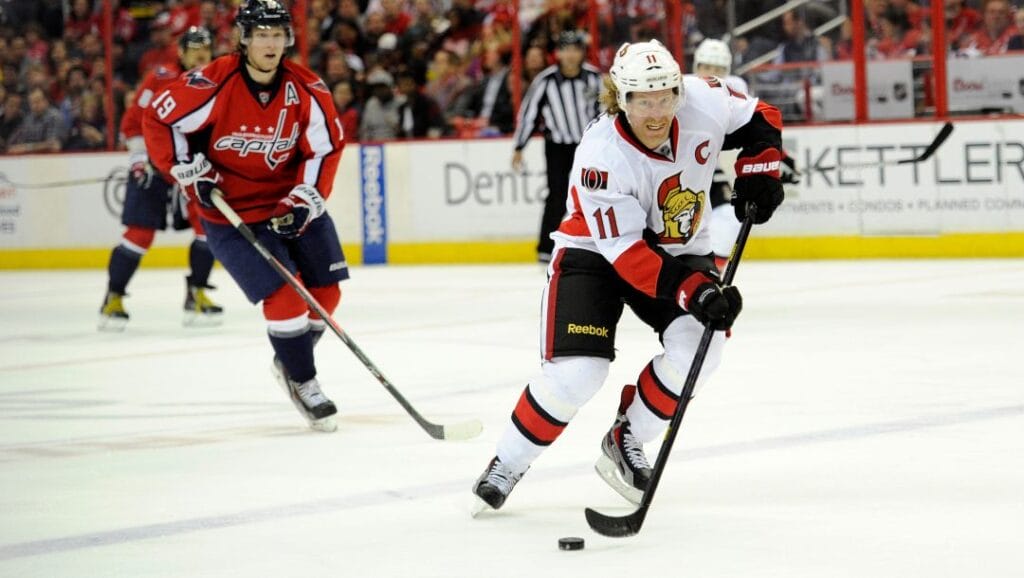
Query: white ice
(868, 420)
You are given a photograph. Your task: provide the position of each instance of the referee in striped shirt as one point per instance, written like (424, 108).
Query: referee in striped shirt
(563, 100)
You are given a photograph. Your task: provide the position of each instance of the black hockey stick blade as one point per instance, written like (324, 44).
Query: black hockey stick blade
(944, 132)
(940, 138)
(616, 526)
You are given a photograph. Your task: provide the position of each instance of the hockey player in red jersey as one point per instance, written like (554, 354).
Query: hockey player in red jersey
(263, 130)
(147, 196)
(636, 233)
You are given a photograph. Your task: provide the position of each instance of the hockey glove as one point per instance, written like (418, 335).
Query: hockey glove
(757, 181)
(710, 303)
(198, 179)
(789, 175)
(296, 211)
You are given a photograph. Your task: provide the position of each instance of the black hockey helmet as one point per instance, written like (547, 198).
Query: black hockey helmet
(195, 37)
(264, 14)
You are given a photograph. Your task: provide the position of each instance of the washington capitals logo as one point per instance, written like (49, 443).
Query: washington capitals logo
(321, 86)
(275, 148)
(681, 211)
(197, 80)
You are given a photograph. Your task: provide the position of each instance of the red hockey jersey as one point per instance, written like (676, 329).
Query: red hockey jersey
(263, 140)
(154, 83)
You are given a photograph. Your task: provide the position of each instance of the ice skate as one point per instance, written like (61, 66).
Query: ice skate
(623, 464)
(494, 485)
(200, 311)
(308, 399)
(113, 317)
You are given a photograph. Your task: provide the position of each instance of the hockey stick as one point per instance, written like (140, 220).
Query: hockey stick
(59, 184)
(459, 431)
(940, 138)
(622, 526)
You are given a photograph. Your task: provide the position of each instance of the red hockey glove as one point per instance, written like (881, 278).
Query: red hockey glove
(198, 179)
(296, 211)
(142, 173)
(709, 302)
(757, 181)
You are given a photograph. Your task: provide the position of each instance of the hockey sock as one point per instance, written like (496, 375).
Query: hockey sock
(200, 260)
(296, 354)
(123, 264)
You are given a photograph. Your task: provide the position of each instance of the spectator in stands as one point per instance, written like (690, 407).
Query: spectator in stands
(446, 80)
(799, 44)
(419, 116)
(997, 28)
(898, 38)
(534, 61)
(75, 84)
(323, 12)
(81, 20)
(11, 116)
(490, 101)
(89, 128)
(348, 111)
(380, 113)
(41, 130)
(961, 21)
(162, 49)
(396, 19)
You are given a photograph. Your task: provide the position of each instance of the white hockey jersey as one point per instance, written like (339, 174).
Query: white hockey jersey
(619, 188)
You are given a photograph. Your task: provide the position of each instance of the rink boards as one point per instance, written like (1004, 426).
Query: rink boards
(460, 201)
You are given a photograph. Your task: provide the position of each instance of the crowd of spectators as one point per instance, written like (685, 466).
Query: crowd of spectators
(418, 68)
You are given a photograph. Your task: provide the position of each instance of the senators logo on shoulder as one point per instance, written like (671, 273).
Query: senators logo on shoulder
(594, 179)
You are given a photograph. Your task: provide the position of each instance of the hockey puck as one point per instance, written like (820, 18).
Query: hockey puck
(570, 543)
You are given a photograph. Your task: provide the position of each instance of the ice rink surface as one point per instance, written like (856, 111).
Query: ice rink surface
(868, 420)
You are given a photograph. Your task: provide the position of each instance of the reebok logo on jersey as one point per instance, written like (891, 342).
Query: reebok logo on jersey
(594, 179)
(757, 168)
(587, 330)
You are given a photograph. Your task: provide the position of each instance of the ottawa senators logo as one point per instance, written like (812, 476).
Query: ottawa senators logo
(593, 179)
(681, 211)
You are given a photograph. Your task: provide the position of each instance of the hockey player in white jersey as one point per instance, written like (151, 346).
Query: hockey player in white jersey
(636, 233)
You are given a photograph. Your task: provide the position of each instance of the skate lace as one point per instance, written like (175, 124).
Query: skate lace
(502, 478)
(634, 450)
(310, 393)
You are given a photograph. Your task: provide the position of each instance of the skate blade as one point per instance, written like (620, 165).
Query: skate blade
(111, 324)
(193, 319)
(479, 507)
(324, 424)
(609, 472)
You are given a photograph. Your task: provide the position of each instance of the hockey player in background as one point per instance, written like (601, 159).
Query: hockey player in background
(264, 131)
(713, 58)
(637, 234)
(147, 196)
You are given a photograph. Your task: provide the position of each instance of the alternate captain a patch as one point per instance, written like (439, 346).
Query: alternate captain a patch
(594, 179)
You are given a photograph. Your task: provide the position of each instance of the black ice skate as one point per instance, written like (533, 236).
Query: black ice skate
(494, 485)
(200, 311)
(308, 399)
(113, 317)
(623, 464)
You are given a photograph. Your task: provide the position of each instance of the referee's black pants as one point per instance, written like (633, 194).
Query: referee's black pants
(559, 162)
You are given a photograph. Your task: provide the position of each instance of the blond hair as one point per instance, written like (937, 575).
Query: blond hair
(609, 98)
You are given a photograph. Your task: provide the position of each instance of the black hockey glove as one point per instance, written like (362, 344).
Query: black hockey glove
(709, 302)
(198, 179)
(757, 181)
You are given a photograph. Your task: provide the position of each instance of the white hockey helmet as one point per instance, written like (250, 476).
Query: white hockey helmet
(713, 52)
(644, 67)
